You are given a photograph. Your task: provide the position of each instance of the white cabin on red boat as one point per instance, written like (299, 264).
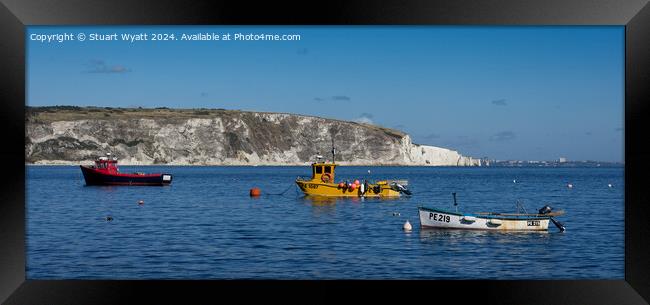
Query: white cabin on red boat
(106, 164)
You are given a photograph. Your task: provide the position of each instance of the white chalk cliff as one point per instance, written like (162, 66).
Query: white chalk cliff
(217, 137)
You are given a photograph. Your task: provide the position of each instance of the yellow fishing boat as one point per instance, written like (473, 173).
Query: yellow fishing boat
(323, 183)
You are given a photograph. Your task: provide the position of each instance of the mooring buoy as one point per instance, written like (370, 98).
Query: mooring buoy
(408, 226)
(255, 192)
(140, 202)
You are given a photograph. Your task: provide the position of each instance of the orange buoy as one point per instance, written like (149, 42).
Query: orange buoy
(255, 192)
(341, 184)
(357, 182)
(353, 186)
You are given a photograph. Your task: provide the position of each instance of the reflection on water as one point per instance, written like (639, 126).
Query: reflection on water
(321, 200)
(331, 200)
(475, 242)
(320, 205)
(478, 236)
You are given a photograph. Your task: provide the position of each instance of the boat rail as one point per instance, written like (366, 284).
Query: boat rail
(558, 213)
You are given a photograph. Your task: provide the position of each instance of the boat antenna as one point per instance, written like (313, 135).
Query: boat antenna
(455, 203)
(333, 152)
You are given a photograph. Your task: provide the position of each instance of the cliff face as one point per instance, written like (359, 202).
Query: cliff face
(72, 135)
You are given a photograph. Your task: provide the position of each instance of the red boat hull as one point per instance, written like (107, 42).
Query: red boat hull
(95, 176)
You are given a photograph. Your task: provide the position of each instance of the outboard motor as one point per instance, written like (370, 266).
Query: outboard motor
(545, 210)
(558, 224)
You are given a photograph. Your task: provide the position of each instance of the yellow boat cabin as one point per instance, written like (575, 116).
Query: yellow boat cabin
(323, 183)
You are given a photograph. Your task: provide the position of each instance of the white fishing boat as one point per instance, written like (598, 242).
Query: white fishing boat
(443, 219)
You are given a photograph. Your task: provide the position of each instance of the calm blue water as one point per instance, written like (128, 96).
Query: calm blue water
(205, 226)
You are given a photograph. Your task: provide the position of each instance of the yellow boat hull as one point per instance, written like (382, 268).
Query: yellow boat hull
(319, 188)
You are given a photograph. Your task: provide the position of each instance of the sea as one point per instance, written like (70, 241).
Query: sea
(206, 226)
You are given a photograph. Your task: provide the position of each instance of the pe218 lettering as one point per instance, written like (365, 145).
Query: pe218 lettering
(533, 223)
(439, 217)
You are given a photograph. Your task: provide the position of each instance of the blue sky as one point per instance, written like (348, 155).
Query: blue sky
(526, 93)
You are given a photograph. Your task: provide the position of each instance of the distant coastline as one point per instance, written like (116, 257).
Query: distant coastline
(587, 163)
(73, 135)
(575, 164)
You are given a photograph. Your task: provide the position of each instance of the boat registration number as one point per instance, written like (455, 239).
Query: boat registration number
(312, 186)
(439, 217)
(167, 177)
(533, 223)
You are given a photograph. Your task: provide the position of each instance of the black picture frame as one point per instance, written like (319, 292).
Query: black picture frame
(15, 15)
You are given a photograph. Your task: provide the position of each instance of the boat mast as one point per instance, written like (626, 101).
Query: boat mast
(455, 203)
(333, 152)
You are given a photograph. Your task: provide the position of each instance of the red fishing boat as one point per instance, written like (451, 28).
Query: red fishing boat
(105, 172)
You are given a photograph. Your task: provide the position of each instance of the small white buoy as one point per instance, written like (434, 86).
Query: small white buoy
(570, 185)
(408, 226)
(368, 171)
(396, 214)
(609, 185)
(514, 181)
(140, 202)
